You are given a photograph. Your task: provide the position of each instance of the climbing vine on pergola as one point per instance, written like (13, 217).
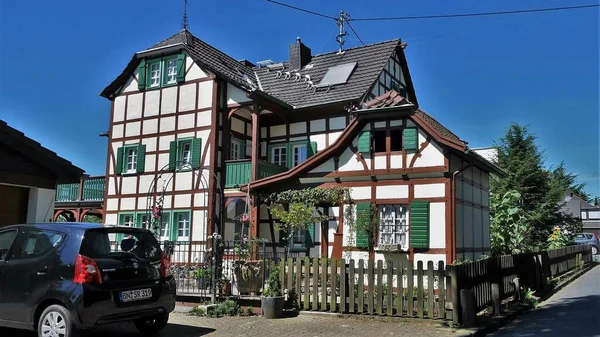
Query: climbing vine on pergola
(298, 207)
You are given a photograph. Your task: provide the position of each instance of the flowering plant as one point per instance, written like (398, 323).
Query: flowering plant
(558, 239)
(244, 218)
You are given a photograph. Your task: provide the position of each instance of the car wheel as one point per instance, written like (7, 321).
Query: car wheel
(152, 324)
(594, 250)
(56, 321)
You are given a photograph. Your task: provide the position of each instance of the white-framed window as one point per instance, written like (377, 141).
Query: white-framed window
(299, 238)
(127, 220)
(155, 74)
(185, 153)
(165, 230)
(279, 155)
(236, 150)
(393, 225)
(171, 71)
(130, 160)
(183, 225)
(300, 153)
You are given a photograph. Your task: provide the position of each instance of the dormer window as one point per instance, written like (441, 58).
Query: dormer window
(155, 74)
(161, 71)
(172, 71)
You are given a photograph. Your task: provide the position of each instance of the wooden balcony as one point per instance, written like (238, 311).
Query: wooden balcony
(89, 189)
(239, 172)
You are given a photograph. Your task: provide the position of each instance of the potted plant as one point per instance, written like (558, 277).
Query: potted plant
(272, 300)
(203, 276)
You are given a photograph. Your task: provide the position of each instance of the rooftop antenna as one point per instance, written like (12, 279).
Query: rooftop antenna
(184, 21)
(344, 18)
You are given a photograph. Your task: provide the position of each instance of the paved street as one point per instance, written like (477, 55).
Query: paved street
(574, 311)
(182, 325)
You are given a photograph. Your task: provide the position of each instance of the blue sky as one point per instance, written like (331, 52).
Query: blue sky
(475, 75)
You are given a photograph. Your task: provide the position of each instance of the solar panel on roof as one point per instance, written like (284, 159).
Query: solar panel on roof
(338, 74)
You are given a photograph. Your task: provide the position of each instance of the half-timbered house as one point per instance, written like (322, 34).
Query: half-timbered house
(209, 133)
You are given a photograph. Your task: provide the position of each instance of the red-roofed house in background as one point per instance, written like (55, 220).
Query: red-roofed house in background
(28, 176)
(210, 133)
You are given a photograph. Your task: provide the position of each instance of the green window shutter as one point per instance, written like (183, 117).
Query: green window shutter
(172, 155)
(142, 75)
(180, 68)
(283, 241)
(419, 224)
(364, 142)
(196, 149)
(119, 166)
(141, 158)
(363, 221)
(242, 149)
(312, 149)
(411, 137)
(309, 235)
(173, 227)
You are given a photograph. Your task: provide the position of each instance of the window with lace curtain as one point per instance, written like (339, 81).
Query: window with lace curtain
(393, 225)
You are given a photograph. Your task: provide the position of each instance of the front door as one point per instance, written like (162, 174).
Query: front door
(7, 237)
(28, 273)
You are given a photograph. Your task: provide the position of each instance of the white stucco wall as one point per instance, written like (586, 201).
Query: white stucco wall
(40, 207)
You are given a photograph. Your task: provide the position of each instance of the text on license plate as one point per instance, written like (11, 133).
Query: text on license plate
(135, 295)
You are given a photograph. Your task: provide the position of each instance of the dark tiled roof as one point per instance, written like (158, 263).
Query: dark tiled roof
(371, 60)
(213, 59)
(221, 63)
(63, 169)
(442, 130)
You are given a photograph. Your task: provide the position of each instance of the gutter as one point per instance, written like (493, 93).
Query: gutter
(453, 211)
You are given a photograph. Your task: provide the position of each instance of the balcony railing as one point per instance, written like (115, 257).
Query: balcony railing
(93, 190)
(238, 172)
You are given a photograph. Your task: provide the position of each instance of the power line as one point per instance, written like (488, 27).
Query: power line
(302, 10)
(355, 33)
(535, 10)
(419, 17)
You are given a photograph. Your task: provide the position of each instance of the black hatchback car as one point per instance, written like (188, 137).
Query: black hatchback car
(61, 278)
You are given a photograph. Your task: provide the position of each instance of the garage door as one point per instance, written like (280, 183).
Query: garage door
(13, 205)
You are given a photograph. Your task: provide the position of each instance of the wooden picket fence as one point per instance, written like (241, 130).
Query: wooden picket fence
(532, 270)
(392, 288)
(366, 287)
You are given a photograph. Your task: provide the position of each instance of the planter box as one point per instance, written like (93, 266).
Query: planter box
(248, 277)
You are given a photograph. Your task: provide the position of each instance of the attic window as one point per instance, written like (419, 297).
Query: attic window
(161, 71)
(338, 74)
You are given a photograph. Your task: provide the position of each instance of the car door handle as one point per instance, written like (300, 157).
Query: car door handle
(43, 271)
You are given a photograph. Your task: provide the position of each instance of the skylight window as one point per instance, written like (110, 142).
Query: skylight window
(338, 74)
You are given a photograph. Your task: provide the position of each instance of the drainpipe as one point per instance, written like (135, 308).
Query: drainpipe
(453, 210)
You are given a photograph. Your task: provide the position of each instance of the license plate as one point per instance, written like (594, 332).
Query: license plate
(135, 295)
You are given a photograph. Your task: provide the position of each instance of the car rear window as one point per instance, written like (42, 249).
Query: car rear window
(579, 236)
(112, 242)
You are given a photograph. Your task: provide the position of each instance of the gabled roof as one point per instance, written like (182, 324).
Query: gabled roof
(202, 53)
(64, 170)
(393, 98)
(371, 60)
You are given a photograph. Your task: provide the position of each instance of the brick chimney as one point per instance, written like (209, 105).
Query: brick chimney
(299, 55)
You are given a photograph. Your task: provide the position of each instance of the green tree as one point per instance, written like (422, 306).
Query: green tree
(520, 158)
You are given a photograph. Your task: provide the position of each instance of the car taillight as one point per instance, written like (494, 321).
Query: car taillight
(86, 271)
(165, 265)
(596, 235)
